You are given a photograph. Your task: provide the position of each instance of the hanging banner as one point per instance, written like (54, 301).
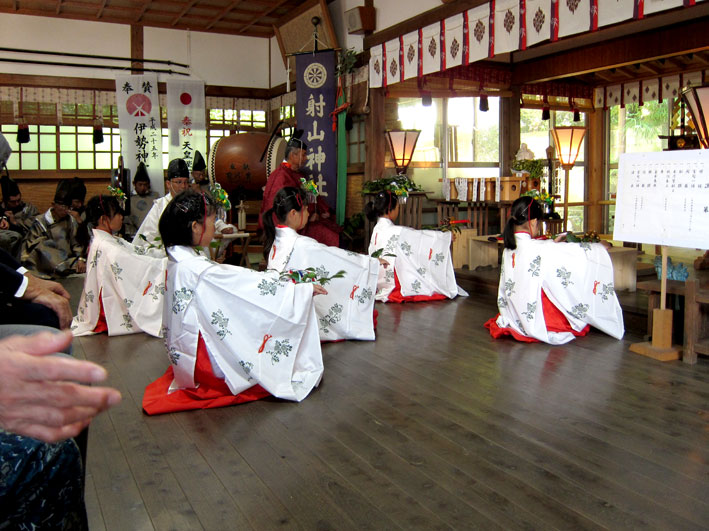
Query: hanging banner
(375, 66)
(454, 40)
(315, 101)
(431, 48)
(186, 119)
(574, 17)
(139, 122)
(506, 26)
(478, 32)
(411, 54)
(537, 20)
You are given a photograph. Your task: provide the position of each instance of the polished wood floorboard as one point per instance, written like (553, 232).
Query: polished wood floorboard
(432, 426)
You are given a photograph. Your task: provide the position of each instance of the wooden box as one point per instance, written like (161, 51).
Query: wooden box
(460, 247)
(511, 187)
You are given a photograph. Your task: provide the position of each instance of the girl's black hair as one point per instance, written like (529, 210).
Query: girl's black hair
(383, 203)
(523, 209)
(288, 198)
(176, 221)
(102, 205)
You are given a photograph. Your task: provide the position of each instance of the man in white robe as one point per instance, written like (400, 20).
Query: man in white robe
(347, 310)
(178, 179)
(576, 277)
(421, 263)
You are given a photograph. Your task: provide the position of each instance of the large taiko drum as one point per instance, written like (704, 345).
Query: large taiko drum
(234, 162)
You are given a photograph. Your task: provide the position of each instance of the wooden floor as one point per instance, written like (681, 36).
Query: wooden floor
(432, 426)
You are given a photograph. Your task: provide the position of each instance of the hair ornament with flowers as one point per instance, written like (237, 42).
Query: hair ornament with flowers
(221, 198)
(116, 192)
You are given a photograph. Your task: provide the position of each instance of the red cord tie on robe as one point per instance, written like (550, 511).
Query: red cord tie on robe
(145, 291)
(430, 253)
(266, 337)
(354, 289)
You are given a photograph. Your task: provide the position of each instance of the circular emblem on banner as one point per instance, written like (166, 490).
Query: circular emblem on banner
(185, 98)
(315, 75)
(138, 105)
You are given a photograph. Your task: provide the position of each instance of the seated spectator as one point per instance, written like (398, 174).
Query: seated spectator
(200, 180)
(141, 201)
(45, 400)
(51, 246)
(16, 216)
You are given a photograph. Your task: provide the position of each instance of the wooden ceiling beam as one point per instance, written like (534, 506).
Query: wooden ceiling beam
(59, 7)
(223, 13)
(146, 5)
(100, 11)
(690, 36)
(262, 15)
(189, 6)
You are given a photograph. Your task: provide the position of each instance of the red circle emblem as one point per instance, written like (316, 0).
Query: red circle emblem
(185, 98)
(138, 105)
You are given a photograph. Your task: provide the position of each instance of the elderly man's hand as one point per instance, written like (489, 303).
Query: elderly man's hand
(42, 396)
(49, 294)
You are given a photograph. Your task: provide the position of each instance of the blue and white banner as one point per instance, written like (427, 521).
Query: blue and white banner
(315, 101)
(186, 119)
(139, 122)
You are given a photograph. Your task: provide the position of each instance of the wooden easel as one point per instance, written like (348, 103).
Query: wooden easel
(661, 347)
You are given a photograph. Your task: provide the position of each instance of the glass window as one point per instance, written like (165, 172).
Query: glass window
(428, 119)
(633, 129)
(473, 135)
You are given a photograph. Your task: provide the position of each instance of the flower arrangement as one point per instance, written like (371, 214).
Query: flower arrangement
(220, 196)
(117, 192)
(309, 186)
(309, 274)
(542, 197)
(447, 225)
(380, 252)
(534, 167)
(400, 185)
(590, 236)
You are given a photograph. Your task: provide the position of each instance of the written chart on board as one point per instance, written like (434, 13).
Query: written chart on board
(663, 198)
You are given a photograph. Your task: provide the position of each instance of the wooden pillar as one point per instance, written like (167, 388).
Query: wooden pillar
(509, 129)
(374, 132)
(594, 167)
(136, 47)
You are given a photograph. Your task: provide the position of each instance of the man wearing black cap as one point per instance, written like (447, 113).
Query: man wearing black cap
(320, 225)
(51, 245)
(16, 217)
(77, 195)
(141, 202)
(178, 179)
(200, 179)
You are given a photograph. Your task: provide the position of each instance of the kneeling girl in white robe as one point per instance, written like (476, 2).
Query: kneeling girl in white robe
(347, 311)
(232, 334)
(551, 291)
(124, 290)
(420, 263)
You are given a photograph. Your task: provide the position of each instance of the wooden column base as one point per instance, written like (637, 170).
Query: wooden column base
(661, 347)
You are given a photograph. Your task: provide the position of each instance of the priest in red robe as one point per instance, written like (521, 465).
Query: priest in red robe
(321, 226)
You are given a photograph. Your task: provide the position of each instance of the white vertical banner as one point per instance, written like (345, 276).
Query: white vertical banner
(139, 122)
(454, 41)
(574, 17)
(393, 48)
(614, 11)
(506, 26)
(478, 32)
(653, 6)
(431, 49)
(411, 54)
(537, 19)
(186, 119)
(375, 66)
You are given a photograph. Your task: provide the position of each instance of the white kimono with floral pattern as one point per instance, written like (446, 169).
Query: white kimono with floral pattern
(576, 277)
(347, 311)
(257, 329)
(131, 283)
(422, 261)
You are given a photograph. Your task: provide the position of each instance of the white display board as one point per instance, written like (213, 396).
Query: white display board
(663, 198)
